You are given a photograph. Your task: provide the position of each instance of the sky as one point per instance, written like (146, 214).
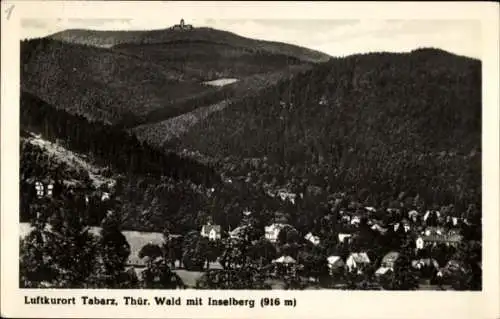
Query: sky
(334, 37)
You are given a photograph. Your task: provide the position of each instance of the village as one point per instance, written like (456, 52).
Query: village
(350, 245)
(366, 246)
(432, 237)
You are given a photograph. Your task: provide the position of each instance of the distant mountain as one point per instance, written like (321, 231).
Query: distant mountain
(134, 77)
(206, 35)
(96, 82)
(382, 122)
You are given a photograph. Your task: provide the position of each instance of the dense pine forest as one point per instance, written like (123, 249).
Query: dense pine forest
(284, 138)
(132, 84)
(372, 125)
(108, 145)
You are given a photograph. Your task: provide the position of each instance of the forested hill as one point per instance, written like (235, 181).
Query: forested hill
(151, 187)
(165, 36)
(132, 82)
(97, 83)
(108, 145)
(377, 124)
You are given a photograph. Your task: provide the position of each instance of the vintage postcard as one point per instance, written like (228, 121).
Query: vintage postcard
(249, 160)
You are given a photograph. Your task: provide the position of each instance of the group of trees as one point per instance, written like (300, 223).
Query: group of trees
(62, 251)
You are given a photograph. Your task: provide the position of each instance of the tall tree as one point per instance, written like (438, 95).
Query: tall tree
(114, 250)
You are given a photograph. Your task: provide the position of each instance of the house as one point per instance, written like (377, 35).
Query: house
(383, 270)
(434, 231)
(406, 227)
(284, 260)
(378, 228)
(393, 210)
(182, 26)
(286, 196)
(335, 263)
(313, 239)
(272, 231)
(323, 100)
(345, 218)
(387, 263)
(413, 216)
(343, 237)
(357, 261)
(213, 232)
(285, 265)
(419, 243)
(105, 196)
(452, 267)
(447, 239)
(430, 213)
(43, 187)
(412, 213)
(355, 220)
(370, 209)
(247, 213)
(390, 259)
(404, 224)
(454, 231)
(424, 262)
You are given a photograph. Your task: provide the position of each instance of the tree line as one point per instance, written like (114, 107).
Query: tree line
(108, 145)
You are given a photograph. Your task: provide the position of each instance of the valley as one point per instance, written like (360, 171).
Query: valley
(203, 147)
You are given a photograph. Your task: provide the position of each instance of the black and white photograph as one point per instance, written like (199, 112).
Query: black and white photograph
(250, 154)
(249, 160)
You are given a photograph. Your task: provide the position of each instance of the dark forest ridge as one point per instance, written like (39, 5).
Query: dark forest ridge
(383, 122)
(130, 76)
(116, 38)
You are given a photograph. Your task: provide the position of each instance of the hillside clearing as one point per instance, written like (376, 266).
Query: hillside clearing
(77, 161)
(221, 82)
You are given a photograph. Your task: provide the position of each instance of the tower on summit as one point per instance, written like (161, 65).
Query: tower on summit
(182, 26)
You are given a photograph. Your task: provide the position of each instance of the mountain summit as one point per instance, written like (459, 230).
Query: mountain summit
(173, 35)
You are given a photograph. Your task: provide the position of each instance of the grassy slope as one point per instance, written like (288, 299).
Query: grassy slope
(74, 163)
(402, 118)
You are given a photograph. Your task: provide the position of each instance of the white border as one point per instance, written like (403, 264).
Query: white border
(317, 304)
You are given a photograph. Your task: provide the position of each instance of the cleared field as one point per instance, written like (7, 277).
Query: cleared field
(136, 240)
(220, 82)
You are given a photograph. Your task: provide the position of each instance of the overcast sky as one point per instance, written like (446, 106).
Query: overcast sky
(335, 37)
